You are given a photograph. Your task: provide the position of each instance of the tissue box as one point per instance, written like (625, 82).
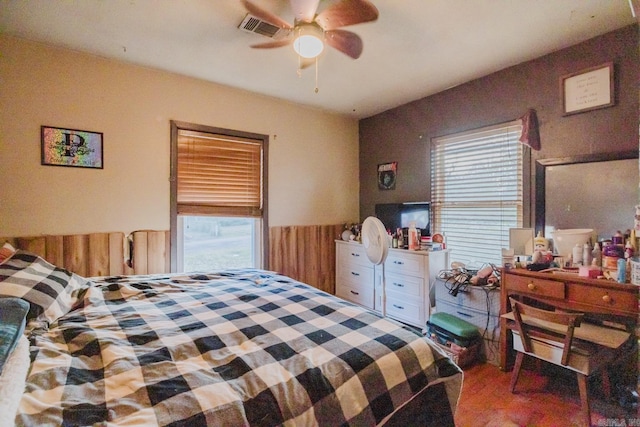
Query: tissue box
(589, 271)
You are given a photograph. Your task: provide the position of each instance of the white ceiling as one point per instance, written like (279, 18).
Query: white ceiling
(416, 48)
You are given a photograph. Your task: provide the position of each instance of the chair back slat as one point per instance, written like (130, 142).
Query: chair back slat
(569, 321)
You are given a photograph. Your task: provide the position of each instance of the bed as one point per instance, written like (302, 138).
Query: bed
(236, 347)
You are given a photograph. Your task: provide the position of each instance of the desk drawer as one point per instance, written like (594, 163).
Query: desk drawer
(535, 286)
(611, 299)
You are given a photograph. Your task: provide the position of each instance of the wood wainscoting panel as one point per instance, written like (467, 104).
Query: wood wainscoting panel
(150, 252)
(306, 253)
(88, 255)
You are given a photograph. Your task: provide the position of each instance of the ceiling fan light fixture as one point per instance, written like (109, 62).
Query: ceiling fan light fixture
(309, 41)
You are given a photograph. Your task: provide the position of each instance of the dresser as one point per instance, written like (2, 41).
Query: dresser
(409, 277)
(604, 301)
(354, 274)
(478, 305)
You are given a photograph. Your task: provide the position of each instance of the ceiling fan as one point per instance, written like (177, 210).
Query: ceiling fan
(311, 30)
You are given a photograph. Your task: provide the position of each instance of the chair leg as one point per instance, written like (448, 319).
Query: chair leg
(516, 371)
(584, 397)
(606, 383)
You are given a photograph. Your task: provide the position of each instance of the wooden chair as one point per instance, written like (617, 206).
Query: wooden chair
(550, 336)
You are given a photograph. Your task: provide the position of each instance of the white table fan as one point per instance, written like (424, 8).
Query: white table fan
(376, 245)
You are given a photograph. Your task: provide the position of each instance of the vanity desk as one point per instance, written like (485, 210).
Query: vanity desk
(605, 301)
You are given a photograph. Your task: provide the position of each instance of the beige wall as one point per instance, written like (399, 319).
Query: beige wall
(313, 155)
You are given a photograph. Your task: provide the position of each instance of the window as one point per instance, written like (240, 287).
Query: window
(477, 191)
(218, 215)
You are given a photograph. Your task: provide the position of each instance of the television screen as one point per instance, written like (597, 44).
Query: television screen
(400, 215)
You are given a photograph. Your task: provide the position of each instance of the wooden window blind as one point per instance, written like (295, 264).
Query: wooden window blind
(219, 175)
(477, 191)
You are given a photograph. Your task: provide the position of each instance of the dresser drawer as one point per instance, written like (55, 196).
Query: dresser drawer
(405, 263)
(610, 299)
(356, 274)
(355, 293)
(473, 297)
(403, 310)
(535, 286)
(353, 253)
(480, 319)
(405, 285)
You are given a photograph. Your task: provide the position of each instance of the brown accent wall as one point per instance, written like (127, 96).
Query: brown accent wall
(403, 133)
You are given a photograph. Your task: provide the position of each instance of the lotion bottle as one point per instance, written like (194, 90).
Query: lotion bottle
(586, 255)
(413, 237)
(596, 255)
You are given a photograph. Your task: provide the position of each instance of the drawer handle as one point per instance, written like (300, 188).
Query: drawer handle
(399, 307)
(464, 314)
(531, 286)
(355, 293)
(606, 298)
(398, 262)
(400, 285)
(356, 255)
(355, 274)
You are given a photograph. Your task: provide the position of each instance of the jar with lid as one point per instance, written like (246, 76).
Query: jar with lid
(577, 254)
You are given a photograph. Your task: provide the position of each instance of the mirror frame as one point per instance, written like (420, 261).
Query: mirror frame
(541, 165)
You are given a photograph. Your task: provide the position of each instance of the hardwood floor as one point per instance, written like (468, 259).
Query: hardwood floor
(541, 399)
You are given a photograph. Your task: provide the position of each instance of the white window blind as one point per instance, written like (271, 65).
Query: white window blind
(477, 191)
(218, 175)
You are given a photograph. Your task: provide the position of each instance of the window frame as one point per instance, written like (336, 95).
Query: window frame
(525, 171)
(177, 126)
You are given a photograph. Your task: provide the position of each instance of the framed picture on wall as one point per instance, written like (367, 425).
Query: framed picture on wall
(71, 147)
(387, 175)
(588, 89)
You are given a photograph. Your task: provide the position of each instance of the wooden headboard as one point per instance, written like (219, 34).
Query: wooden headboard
(306, 253)
(102, 254)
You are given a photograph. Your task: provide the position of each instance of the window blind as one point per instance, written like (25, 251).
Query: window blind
(218, 175)
(477, 191)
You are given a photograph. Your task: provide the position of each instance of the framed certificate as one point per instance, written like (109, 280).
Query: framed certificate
(588, 89)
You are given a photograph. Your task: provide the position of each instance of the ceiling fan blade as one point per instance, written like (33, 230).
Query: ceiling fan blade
(304, 10)
(347, 12)
(345, 41)
(266, 16)
(275, 43)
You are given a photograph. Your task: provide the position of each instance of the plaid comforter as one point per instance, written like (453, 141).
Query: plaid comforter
(245, 347)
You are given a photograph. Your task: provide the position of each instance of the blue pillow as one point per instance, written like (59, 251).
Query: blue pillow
(13, 314)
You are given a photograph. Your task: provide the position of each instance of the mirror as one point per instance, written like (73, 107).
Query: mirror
(592, 191)
(521, 241)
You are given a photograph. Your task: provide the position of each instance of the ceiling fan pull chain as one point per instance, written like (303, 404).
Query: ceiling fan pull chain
(316, 75)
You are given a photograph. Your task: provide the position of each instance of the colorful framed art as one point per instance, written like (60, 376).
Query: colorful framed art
(71, 147)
